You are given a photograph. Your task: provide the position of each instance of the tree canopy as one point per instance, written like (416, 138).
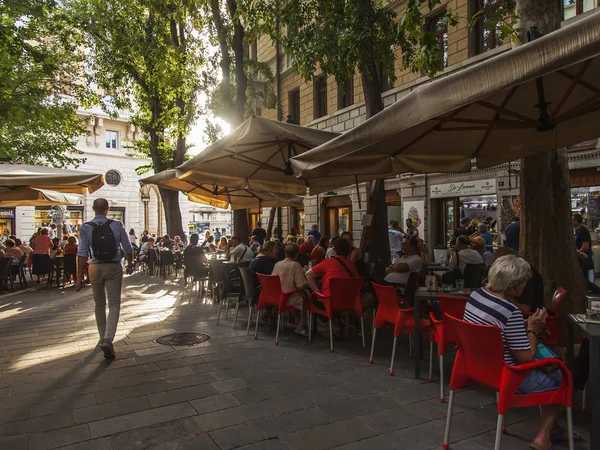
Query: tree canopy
(40, 57)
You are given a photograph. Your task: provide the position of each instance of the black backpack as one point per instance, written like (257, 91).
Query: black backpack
(104, 245)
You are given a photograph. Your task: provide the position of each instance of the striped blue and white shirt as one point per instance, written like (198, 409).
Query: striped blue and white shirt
(484, 308)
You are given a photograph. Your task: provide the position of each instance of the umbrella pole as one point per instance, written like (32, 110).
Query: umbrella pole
(357, 191)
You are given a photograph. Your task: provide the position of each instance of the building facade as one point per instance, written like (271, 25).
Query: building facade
(434, 202)
(105, 152)
(204, 217)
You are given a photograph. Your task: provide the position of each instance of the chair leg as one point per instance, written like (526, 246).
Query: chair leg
(257, 318)
(410, 345)
(441, 378)
(583, 400)
(218, 313)
(393, 356)
(310, 326)
(499, 427)
(430, 379)
(346, 332)
(278, 328)
(362, 330)
(249, 320)
(570, 428)
(227, 309)
(331, 336)
(372, 346)
(237, 308)
(448, 420)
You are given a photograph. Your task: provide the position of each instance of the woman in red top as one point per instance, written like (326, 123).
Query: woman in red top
(337, 267)
(307, 246)
(41, 262)
(318, 253)
(71, 247)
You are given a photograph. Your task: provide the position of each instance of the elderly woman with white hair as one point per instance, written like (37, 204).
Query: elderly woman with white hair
(495, 304)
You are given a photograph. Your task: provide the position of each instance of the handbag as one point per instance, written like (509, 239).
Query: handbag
(543, 352)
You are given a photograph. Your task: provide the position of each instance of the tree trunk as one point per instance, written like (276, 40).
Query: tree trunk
(226, 97)
(271, 223)
(241, 80)
(170, 201)
(546, 229)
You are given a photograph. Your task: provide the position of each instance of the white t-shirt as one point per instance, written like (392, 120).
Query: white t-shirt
(466, 256)
(395, 237)
(133, 239)
(330, 253)
(292, 278)
(243, 253)
(414, 262)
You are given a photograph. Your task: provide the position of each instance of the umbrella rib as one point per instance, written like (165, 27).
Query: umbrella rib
(506, 111)
(483, 128)
(230, 153)
(585, 84)
(496, 117)
(265, 165)
(583, 108)
(569, 91)
(433, 128)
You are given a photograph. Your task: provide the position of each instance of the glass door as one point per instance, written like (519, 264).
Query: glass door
(449, 219)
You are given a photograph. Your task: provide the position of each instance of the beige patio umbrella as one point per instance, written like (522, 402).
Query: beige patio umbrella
(37, 197)
(540, 96)
(15, 175)
(220, 197)
(255, 157)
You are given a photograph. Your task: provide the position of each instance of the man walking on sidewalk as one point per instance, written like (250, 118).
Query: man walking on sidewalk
(102, 239)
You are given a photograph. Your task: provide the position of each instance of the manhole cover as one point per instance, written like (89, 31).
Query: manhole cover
(179, 339)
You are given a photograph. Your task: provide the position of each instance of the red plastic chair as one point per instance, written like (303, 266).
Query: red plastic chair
(272, 295)
(480, 360)
(443, 334)
(555, 339)
(345, 296)
(390, 313)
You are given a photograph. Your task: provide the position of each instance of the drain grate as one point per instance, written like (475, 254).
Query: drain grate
(181, 339)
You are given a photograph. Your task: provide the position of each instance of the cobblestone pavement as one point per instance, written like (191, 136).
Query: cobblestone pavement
(56, 391)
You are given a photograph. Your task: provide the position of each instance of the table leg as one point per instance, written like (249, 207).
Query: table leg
(570, 357)
(417, 339)
(594, 376)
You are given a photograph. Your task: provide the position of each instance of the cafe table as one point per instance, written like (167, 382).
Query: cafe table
(436, 267)
(423, 296)
(592, 332)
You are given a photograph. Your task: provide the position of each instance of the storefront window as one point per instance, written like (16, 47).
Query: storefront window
(299, 220)
(7, 218)
(116, 214)
(42, 218)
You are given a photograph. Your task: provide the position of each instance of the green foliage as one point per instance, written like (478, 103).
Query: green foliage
(502, 21)
(148, 54)
(40, 59)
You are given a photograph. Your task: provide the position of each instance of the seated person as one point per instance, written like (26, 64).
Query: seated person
(166, 242)
(495, 305)
(71, 246)
(409, 262)
(12, 251)
(55, 250)
(355, 253)
(147, 247)
(194, 259)
(264, 261)
(489, 239)
(478, 244)
(307, 246)
(318, 253)
(178, 244)
(292, 278)
(463, 255)
(209, 245)
(338, 266)
(241, 251)
(330, 251)
(254, 244)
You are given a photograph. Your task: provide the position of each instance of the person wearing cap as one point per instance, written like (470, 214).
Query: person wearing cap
(462, 255)
(479, 245)
(462, 229)
(260, 233)
(512, 234)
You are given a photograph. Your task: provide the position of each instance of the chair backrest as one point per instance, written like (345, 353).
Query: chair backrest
(5, 267)
(23, 260)
(411, 288)
(387, 301)
(219, 272)
(270, 290)
(480, 356)
(473, 275)
(167, 258)
(455, 307)
(248, 285)
(152, 256)
(345, 294)
(303, 259)
(559, 295)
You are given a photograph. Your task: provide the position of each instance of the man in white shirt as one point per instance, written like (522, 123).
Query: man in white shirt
(463, 255)
(241, 251)
(409, 262)
(395, 236)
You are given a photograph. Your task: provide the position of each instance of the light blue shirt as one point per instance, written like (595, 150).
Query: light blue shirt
(85, 239)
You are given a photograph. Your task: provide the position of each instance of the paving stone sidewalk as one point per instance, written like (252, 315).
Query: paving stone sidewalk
(56, 391)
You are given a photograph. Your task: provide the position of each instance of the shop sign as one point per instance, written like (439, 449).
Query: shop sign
(7, 213)
(464, 188)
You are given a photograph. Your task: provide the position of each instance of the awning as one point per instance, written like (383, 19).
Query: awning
(255, 157)
(489, 111)
(218, 196)
(14, 175)
(37, 197)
